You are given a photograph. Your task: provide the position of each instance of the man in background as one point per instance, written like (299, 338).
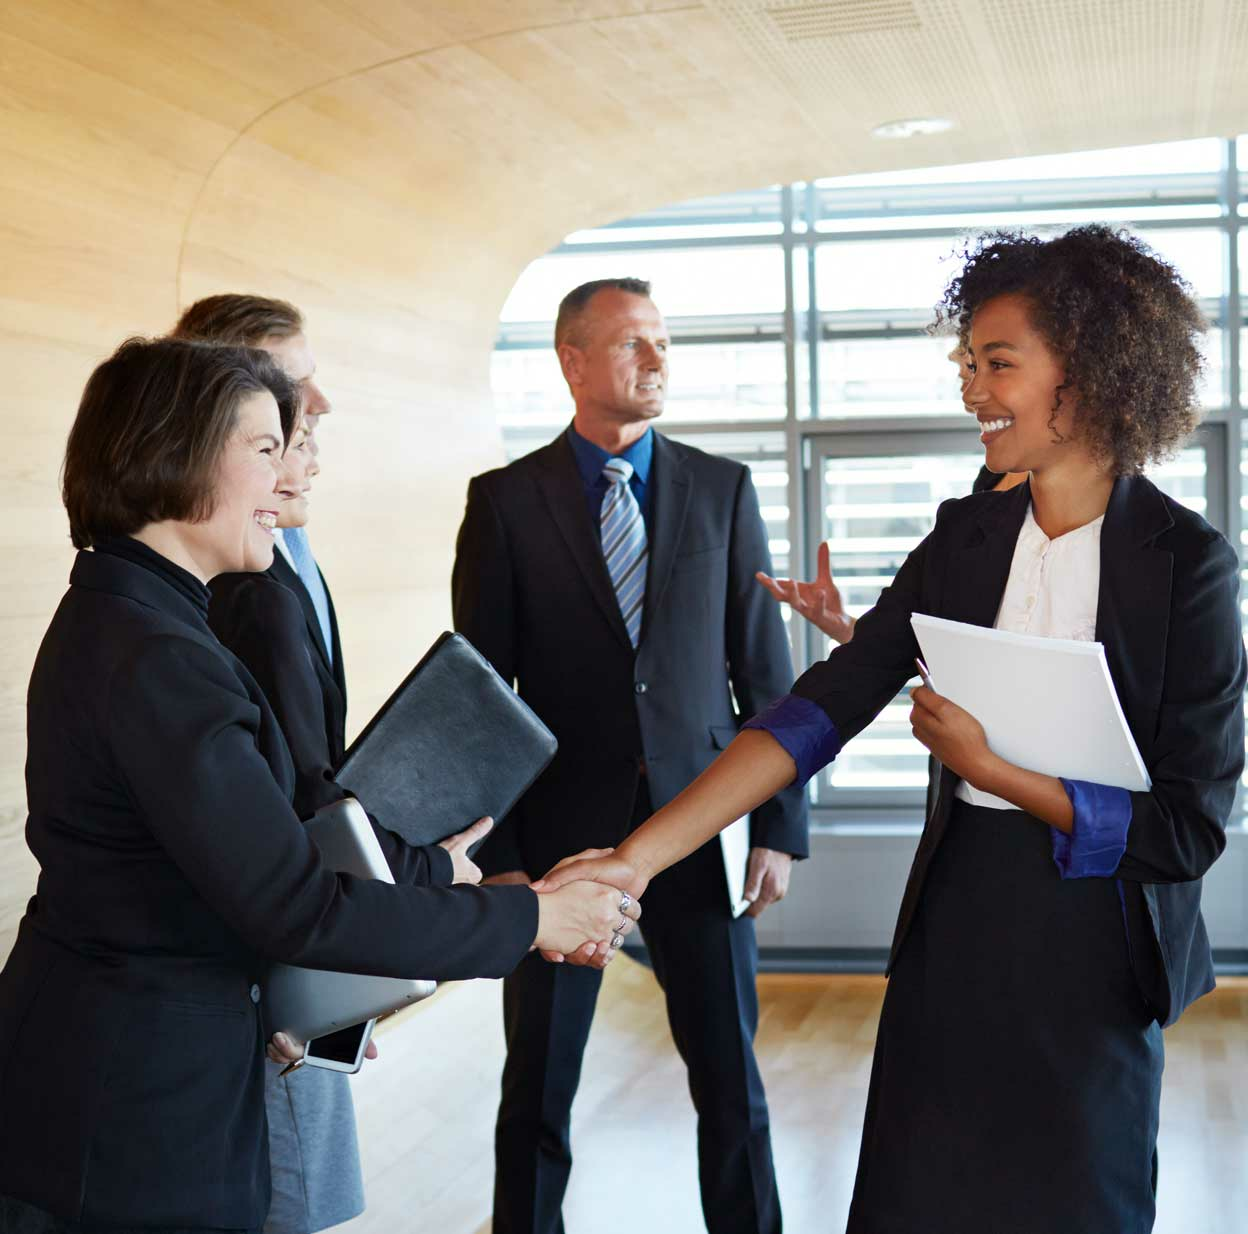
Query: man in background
(278, 328)
(610, 575)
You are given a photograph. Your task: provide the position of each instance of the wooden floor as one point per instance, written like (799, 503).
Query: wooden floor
(426, 1111)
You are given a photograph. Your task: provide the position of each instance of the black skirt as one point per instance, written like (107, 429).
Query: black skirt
(1017, 1074)
(17, 1217)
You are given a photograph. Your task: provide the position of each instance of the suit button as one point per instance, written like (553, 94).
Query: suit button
(640, 687)
(255, 993)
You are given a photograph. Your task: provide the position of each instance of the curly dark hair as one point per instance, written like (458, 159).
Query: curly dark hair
(1121, 321)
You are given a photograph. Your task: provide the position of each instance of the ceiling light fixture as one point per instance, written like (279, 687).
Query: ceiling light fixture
(923, 126)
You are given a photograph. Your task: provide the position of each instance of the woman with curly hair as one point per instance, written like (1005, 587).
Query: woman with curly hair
(1050, 928)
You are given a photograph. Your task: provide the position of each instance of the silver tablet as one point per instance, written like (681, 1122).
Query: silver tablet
(310, 1002)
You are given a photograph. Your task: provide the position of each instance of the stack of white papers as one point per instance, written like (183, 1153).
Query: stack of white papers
(1046, 704)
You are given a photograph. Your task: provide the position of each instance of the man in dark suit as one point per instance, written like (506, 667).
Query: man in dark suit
(610, 575)
(277, 327)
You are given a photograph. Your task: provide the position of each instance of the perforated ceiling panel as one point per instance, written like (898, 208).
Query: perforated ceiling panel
(822, 20)
(1016, 76)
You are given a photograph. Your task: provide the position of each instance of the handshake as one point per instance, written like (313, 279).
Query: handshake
(586, 905)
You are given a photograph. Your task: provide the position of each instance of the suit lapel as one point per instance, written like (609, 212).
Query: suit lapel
(1133, 604)
(671, 488)
(979, 570)
(288, 576)
(560, 482)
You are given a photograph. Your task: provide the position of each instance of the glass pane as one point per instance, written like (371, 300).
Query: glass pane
(708, 382)
(687, 282)
(1183, 478)
(764, 454)
(883, 274)
(751, 213)
(897, 376)
(726, 381)
(529, 390)
(1214, 388)
(875, 511)
(1199, 255)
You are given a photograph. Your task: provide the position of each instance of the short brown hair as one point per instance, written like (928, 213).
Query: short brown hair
(1121, 321)
(239, 321)
(573, 305)
(151, 426)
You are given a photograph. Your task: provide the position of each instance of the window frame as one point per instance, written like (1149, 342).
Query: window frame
(895, 213)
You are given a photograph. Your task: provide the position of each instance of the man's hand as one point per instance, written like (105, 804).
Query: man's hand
(818, 601)
(589, 954)
(518, 878)
(766, 879)
(465, 869)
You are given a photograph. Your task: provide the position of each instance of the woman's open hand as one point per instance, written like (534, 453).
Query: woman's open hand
(819, 601)
(951, 733)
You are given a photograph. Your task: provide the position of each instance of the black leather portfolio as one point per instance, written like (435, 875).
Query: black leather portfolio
(453, 743)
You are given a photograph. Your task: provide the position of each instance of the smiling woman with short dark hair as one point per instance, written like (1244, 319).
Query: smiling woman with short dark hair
(173, 869)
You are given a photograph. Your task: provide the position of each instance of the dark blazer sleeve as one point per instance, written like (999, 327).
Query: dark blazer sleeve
(759, 664)
(184, 734)
(482, 604)
(262, 623)
(1177, 829)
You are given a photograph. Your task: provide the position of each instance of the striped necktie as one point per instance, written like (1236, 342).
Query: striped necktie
(624, 544)
(296, 541)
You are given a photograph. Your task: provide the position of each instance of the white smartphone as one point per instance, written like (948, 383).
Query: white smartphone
(340, 1051)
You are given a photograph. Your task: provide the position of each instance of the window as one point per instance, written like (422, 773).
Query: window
(799, 318)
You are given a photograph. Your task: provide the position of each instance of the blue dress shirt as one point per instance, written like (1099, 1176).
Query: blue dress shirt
(591, 459)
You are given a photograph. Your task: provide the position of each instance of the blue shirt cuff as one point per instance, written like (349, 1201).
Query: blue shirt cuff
(803, 729)
(1098, 837)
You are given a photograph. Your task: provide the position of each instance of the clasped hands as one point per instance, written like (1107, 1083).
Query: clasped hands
(767, 881)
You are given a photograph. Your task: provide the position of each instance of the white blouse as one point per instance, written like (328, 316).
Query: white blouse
(1052, 591)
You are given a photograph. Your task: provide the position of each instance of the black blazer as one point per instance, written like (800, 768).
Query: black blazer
(532, 593)
(172, 871)
(1169, 618)
(263, 623)
(331, 674)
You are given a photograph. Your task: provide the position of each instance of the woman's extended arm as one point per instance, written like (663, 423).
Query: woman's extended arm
(183, 732)
(753, 768)
(789, 741)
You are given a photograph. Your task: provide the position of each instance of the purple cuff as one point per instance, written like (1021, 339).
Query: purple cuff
(803, 729)
(1098, 837)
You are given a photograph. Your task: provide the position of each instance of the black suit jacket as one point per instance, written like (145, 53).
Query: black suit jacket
(262, 621)
(1168, 615)
(532, 593)
(172, 871)
(331, 674)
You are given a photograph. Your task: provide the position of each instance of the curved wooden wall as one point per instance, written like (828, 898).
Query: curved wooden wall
(390, 165)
